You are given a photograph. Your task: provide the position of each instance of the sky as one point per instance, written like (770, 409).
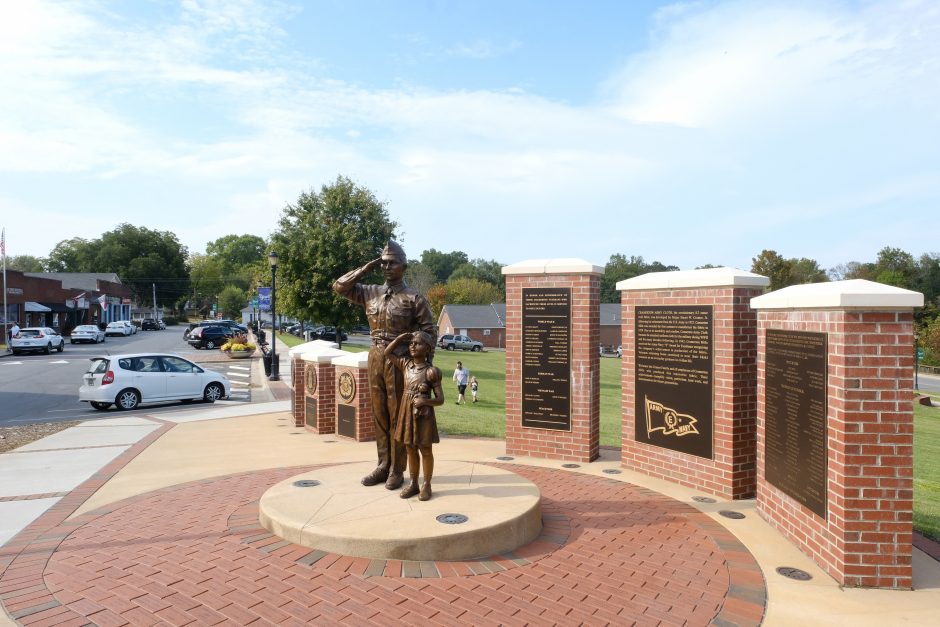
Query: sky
(688, 133)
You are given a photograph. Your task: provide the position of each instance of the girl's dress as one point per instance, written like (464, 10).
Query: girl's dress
(416, 426)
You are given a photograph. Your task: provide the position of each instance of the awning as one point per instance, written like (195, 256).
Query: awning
(56, 307)
(36, 307)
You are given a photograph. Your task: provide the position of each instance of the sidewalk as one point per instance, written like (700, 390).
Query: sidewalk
(143, 519)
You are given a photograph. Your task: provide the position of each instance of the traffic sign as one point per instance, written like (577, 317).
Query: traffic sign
(920, 354)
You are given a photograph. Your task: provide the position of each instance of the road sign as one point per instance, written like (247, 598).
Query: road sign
(920, 354)
(253, 303)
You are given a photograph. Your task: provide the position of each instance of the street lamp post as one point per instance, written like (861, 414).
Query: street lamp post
(272, 259)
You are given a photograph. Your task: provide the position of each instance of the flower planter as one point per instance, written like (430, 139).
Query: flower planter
(238, 354)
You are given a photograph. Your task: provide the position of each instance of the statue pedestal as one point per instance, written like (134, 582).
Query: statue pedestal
(340, 515)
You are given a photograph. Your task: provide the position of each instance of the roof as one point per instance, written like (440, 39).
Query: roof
(852, 294)
(490, 316)
(704, 277)
(78, 280)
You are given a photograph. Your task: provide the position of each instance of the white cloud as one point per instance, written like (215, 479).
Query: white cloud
(484, 49)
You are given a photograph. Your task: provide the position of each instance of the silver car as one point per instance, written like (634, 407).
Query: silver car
(87, 333)
(128, 380)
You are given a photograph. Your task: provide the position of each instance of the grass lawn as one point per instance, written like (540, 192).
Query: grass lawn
(487, 419)
(927, 470)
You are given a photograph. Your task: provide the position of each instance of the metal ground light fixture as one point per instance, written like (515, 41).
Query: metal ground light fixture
(272, 259)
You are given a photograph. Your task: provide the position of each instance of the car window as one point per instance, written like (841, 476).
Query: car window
(148, 364)
(175, 364)
(98, 366)
(126, 363)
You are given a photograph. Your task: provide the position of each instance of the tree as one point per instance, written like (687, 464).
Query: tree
(619, 268)
(852, 270)
(241, 258)
(205, 277)
(437, 297)
(419, 276)
(770, 264)
(443, 264)
(322, 236)
(490, 271)
(138, 255)
(895, 267)
(805, 270)
(231, 301)
(26, 263)
(464, 291)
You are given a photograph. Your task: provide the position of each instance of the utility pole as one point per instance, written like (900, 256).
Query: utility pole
(155, 316)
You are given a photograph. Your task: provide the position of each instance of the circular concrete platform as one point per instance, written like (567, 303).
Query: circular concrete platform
(340, 515)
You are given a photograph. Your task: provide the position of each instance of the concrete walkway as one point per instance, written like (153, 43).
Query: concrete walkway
(153, 519)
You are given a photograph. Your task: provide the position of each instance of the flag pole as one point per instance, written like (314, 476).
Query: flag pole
(6, 323)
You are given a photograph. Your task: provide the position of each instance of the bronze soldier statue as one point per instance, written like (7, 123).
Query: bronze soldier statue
(392, 309)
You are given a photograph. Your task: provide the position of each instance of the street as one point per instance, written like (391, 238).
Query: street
(44, 388)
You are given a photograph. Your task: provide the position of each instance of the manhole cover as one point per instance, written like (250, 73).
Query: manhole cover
(794, 573)
(505, 458)
(611, 471)
(704, 499)
(571, 465)
(306, 483)
(733, 515)
(452, 519)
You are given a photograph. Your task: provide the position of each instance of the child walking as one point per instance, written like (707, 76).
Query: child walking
(417, 425)
(473, 388)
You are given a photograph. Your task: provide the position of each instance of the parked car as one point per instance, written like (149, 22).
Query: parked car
(117, 328)
(131, 326)
(128, 380)
(161, 324)
(229, 324)
(329, 334)
(87, 333)
(453, 342)
(149, 324)
(209, 337)
(30, 339)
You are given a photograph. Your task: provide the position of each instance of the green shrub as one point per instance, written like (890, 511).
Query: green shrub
(170, 321)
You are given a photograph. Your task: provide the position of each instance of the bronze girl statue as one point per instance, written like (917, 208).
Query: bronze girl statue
(417, 426)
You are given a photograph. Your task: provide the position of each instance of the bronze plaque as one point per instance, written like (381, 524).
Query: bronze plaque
(310, 379)
(546, 358)
(796, 456)
(346, 421)
(673, 376)
(346, 386)
(310, 410)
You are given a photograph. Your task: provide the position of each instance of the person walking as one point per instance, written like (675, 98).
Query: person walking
(462, 377)
(474, 386)
(392, 309)
(14, 331)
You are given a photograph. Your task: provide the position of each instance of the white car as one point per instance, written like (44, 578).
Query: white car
(87, 333)
(128, 380)
(117, 328)
(131, 327)
(42, 339)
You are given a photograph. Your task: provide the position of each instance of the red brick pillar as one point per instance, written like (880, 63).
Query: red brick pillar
(320, 390)
(835, 426)
(297, 375)
(689, 378)
(353, 401)
(552, 363)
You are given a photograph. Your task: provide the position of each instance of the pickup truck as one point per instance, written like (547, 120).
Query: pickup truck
(453, 342)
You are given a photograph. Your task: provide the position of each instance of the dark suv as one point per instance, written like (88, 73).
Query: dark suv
(149, 324)
(209, 337)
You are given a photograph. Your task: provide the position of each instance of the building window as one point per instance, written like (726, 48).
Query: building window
(486, 331)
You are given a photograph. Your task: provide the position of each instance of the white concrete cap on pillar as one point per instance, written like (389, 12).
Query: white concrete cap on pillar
(352, 360)
(854, 294)
(683, 279)
(324, 357)
(314, 346)
(553, 266)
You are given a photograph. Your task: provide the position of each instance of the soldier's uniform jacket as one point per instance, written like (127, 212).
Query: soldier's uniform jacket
(391, 309)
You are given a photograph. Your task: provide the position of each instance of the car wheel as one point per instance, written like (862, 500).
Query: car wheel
(100, 406)
(48, 348)
(71, 341)
(450, 347)
(127, 399)
(214, 392)
(210, 344)
(61, 346)
(16, 352)
(477, 349)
